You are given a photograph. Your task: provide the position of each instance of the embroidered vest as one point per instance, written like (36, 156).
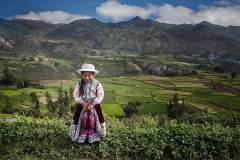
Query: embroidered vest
(89, 90)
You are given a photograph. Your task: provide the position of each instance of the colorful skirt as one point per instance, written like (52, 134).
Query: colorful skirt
(86, 127)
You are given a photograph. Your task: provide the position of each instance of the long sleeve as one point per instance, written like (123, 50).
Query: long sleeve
(100, 95)
(76, 94)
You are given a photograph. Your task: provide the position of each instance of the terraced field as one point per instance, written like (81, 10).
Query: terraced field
(152, 92)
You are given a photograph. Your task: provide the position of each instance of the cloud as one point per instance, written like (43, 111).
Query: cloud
(223, 12)
(173, 14)
(117, 12)
(221, 15)
(52, 16)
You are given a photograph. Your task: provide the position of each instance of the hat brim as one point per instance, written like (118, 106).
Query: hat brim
(79, 71)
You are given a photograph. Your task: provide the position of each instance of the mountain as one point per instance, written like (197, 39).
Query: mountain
(136, 35)
(140, 36)
(148, 36)
(36, 25)
(15, 32)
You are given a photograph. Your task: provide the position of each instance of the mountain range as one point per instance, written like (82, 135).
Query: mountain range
(140, 36)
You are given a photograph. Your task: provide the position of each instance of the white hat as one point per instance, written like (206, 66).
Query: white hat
(87, 67)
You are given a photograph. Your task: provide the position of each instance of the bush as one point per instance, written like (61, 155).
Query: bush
(231, 120)
(35, 111)
(175, 107)
(8, 77)
(8, 106)
(47, 139)
(131, 108)
(23, 83)
(218, 69)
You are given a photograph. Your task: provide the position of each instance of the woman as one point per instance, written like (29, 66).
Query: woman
(88, 117)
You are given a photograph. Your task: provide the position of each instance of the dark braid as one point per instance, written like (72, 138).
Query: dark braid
(81, 85)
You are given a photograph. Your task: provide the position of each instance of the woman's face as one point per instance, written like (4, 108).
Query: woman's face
(87, 76)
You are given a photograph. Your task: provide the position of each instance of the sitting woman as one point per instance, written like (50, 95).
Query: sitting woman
(88, 117)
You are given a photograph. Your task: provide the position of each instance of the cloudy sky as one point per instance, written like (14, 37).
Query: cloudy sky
(222, 12)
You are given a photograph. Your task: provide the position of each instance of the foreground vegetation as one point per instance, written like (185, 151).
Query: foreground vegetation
(141, 137)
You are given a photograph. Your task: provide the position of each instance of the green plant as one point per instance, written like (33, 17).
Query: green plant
(8, 106)
(36, 107)
(50, 105)
(175, 107)
(131, 108)
(45, 138)
(8, 77)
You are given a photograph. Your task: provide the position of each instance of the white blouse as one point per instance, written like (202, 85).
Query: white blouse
(89, 90)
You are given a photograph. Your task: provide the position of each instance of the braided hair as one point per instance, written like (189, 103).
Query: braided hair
(82, 84)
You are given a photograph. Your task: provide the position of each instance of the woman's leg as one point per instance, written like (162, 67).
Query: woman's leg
(77, 113)
(92, 133)
(83, 130)
(85, 120)
(91, 121)
(99, 112)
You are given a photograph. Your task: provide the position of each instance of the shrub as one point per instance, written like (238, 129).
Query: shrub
(23, 83)
(231, 120)
(50, 105)
(35, 111)
(47, 139)
(175, 107)
(131, 108)
(8, 77)
(8, 106)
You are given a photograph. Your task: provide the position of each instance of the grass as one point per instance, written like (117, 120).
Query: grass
(188, 84)
(109, 98)
(152, 108)
(112, 109)
(126, 99)
(140, 91)
(170, 92)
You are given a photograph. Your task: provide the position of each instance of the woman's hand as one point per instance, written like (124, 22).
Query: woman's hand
(90, 106)
(85, 106)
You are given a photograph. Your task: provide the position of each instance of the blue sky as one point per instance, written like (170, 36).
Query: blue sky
(9, 8)
(169, 11)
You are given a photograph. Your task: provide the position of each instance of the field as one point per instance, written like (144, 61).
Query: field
(153, 92)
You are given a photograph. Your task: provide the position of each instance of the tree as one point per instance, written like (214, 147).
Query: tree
(233, 76)
(125, 62)
(131, 108)
(31, 59)
(8, 78)
(66, 100)
(71, 93)
(56, 64)
(63, 102)
(22, 83)
(218, 69)
(8, 106)
(175, 107)
(24, 59)
(40, 59)
(36, 106)
(50, 105)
